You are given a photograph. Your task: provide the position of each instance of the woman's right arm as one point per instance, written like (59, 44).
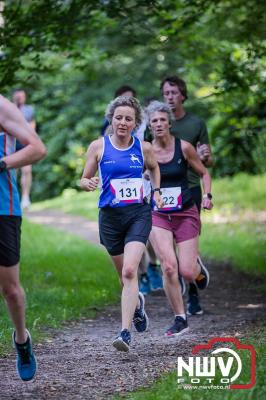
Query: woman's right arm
(88, 181)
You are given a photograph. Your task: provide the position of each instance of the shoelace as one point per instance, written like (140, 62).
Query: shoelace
(138, 314)
(137, 319)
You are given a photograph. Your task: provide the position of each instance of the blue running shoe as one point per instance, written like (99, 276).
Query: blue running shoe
(144, 284)
(155, 277)
(26, 361)
(193, 305)
(140, 319)
(202, 280)
(179, 327)
(122, 341)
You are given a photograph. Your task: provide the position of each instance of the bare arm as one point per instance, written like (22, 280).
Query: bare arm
(154, 171)
(205, 154)
(88, 181)
(13, 122)
(194, 161)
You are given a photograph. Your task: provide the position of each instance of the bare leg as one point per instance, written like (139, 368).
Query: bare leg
(127, 268)
(151, 253)
(187, 256)
(144, 262)
(15, 299)
(26, 181)
(162, 242)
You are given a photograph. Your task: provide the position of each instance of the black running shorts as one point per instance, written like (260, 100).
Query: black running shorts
(10, 229)
(121, 225)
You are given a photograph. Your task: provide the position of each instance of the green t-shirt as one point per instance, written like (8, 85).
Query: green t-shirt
(192, 129)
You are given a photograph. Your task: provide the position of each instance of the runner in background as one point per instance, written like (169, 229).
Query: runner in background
(125, 215)
(19, 99)
(13, 126)
(189, 127)
(178, 222)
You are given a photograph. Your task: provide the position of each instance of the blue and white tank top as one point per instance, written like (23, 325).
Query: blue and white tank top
(9, 196)
(120, 172)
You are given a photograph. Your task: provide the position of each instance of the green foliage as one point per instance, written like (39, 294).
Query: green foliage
(240, 193)
(218, 47)
(59, 281)
(245, 245)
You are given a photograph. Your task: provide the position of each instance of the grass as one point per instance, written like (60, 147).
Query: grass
(73, 202)
(166, 388)
(64, 278)
(242, 242)
(241, 245)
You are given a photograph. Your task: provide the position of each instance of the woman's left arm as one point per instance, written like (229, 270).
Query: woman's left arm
(194, 161)
(154, 171)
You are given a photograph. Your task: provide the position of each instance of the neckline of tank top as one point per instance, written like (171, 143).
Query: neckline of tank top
(117, 148)
(168, 162)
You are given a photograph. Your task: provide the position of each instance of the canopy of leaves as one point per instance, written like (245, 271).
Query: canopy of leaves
(71, 55)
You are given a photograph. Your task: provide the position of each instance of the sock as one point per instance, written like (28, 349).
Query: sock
(181, 315)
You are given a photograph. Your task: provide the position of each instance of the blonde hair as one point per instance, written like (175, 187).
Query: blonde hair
(125, 101)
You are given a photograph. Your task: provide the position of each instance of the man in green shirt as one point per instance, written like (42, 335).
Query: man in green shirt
(191, 128)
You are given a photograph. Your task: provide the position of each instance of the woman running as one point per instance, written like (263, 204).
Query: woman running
(125, 216)
(178, 221)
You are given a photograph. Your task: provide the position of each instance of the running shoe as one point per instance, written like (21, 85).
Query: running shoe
(144, 284)
(202, 280)
(140, 319)
(193, 305)
(182, 284)
(26, 361)
(155, 277)
(179, 327)
(122, 341)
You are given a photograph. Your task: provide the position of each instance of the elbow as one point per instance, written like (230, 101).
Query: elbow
(41, 152)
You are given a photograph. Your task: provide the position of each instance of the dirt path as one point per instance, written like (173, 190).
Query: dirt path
(80, 363)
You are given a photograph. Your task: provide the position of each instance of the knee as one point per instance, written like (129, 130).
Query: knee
(188, 273)
(129, 273)
(13, 293)
(169, 269)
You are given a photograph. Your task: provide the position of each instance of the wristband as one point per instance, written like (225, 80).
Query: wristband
(157, 190)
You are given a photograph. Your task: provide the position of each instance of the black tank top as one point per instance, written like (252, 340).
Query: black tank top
(174, 174)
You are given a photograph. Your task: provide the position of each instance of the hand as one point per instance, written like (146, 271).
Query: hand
(203, 151)
(146, 176)
(158, 200)
(206, 204)
(89, 184)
